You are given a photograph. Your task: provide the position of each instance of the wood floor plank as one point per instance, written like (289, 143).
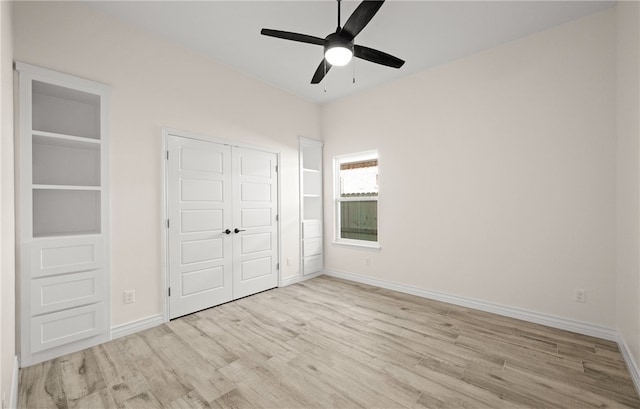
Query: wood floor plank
(111, 360)
(131, 384)
(81, 374)
(101, 399)
(191, 400)
(163, 382)
(330, 343)
(202, 342)
(187, 365)
(144, 400)
(509, 386)
(232, 400)
(40, 386)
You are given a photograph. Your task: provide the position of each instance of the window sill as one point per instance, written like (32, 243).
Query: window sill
(356, 245)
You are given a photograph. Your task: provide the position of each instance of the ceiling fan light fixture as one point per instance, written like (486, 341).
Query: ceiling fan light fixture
(337, 50)
(338, 56)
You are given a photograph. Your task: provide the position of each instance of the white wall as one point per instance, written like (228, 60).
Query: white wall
(497, 173)
(158, 84)
(7, 238)
(628, 193)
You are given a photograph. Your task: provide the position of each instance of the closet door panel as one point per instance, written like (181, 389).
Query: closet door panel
(255, 207)
(199, 197)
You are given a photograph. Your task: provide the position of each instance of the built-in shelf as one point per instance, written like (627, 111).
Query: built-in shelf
(65, 161)
(312, 157)
(63, 232)
(63, 212)
(79, 235)
(59, 136)
(311, 225)
(66, 187)
(312, 207)
(64, 110)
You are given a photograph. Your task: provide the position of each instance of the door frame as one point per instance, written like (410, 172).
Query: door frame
(166, 132)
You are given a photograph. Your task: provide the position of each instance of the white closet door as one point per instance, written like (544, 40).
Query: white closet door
(199, 196)
(255, 202)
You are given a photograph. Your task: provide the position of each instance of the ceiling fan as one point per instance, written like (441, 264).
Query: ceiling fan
(339, 46)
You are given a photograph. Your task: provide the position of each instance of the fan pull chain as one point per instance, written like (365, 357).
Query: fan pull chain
(354, 71)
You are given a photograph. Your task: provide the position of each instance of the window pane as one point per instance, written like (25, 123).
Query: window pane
(359, 178)
(359, 220)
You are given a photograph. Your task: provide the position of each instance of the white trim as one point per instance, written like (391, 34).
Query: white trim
(631, 364)
(279, 215)
(166, 131)
(62, 79)
(567, 324)
(13, 395)
(164, 234)
(137, 325)
(358, 244)
(298, 279)
(337, 200)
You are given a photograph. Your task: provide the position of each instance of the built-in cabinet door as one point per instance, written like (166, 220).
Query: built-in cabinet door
(200, 213)
(255, 200)
(222, 206)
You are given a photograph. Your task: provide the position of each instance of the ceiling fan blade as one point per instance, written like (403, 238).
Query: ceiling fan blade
(303, 38)
(361, 17)
(377, 57)
(321, 71)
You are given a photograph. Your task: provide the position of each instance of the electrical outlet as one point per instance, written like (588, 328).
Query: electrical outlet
(129, 296)
(288, 261)
(367, 261)
(581, 295)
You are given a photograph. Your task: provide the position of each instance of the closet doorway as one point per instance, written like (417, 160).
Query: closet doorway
(222, 228)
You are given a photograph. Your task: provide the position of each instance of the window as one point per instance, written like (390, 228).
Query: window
(356, 199)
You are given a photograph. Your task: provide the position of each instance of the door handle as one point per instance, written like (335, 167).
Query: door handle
(237, 230)
(227, 231)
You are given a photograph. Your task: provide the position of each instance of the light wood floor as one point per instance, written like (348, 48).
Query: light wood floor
(328, 343)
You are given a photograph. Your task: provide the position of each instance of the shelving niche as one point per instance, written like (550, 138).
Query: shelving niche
(63, 213)
(311, 226)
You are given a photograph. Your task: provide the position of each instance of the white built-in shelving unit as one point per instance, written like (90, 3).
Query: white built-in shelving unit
(63, 213)
(311, 205)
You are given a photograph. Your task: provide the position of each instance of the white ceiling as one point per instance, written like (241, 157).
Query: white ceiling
(423, 33)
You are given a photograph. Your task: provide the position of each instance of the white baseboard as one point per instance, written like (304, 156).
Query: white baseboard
(137, 325)
(631, 364)
(531, 316)
(298, 279)
(13, 396)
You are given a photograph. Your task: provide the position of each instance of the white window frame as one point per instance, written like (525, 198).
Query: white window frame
(337, 199)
